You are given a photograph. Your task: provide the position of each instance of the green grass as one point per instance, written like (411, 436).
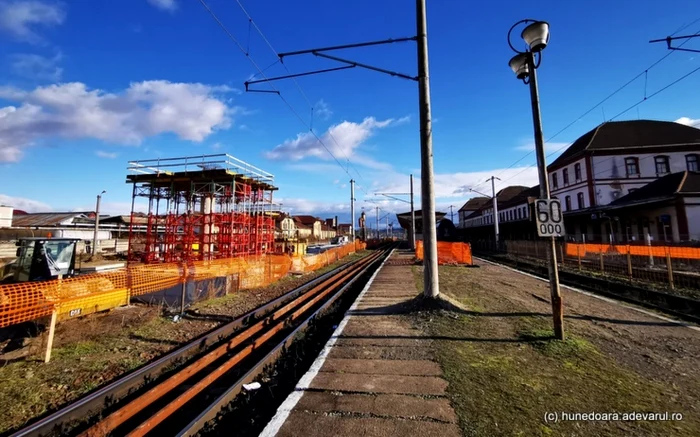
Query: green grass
(506, 372)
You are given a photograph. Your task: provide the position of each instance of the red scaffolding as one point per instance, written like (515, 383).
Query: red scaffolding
(200, 208)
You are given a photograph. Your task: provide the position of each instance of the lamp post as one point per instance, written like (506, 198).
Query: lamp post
(97, 223)
(524, 65)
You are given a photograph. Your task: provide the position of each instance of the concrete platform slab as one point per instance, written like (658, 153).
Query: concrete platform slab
(400, 406)
(376, 376)
(383, 367)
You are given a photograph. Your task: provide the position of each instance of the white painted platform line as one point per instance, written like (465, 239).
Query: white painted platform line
(288, 405)
(603, 298)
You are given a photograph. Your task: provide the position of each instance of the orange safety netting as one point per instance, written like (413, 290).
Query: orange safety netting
(577, 249)
(100, 291)
(448, 252)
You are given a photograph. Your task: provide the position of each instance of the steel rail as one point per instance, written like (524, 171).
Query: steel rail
(60, 420)
(212, 410)
(155, 419)
(118, 417)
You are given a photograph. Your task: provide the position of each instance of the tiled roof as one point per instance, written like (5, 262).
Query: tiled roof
(630, 134)
(684, 182)
(474, 203)
(44, 219)
(308, 220)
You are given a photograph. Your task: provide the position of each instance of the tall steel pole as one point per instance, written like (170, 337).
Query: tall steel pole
(413, 220)
(557, 309)
(97, 223)
(431, 286)
(495, 210)
(352, 209)
(377, 223)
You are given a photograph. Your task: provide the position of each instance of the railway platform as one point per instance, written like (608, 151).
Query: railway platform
(376, 375)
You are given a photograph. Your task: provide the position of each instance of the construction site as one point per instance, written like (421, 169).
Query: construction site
(201, 208)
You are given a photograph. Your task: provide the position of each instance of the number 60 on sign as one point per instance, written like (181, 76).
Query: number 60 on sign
(550, 221)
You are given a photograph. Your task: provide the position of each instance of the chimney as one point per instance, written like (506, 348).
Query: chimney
(335, 222)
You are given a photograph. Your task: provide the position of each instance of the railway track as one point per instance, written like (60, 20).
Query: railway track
(183, 391)
(678, 306)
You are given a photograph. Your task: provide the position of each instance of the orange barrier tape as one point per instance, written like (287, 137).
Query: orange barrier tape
(100, 291)
(578, 249)
(448, 252)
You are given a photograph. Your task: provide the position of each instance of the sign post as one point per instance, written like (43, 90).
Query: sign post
(550, 220)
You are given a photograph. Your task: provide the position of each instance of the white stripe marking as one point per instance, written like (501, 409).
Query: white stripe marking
(603, 298)
(288, 405)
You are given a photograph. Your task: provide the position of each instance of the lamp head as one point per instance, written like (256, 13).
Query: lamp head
(519, 65)
(536, 35)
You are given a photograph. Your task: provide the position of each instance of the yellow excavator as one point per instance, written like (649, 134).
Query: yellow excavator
(41, 259)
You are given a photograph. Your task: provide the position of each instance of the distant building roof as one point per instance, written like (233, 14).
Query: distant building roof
(307, 220)
(665, 188)
(474, 203)
(42, 219)
(404, 219)
(630, 134)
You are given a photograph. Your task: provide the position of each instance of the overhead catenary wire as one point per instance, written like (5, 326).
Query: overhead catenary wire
(272, 87)
(644, 72)
(301, 91)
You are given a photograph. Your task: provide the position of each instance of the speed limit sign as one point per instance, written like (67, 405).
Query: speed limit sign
(550, 220)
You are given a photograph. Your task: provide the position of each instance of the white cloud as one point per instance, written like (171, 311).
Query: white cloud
(322, 110)
(216, 146)
(23, 204)
(107, 155)
(549, 148)
(19, 18)
(192, 111)
(166, 5)
(341, 139)
(33, 66)
(695, 122)
(298, 206)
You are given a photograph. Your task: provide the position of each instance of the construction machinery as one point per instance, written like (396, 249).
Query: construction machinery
(41, 259)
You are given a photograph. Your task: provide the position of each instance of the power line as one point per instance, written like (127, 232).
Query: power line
(642, 73)
(601, 102)
(275, 90)
(301, 91)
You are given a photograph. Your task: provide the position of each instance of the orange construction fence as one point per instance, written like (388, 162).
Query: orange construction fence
(86, 294)
(580, 249)
(449, 252)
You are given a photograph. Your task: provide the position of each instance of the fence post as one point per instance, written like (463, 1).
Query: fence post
(578, 255)
(184, 288)
(52, 325)
(669, 267)
(561, 251)
(629, 263)
(602, 265)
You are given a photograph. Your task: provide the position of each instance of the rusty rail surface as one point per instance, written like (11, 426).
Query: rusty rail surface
(264, 322)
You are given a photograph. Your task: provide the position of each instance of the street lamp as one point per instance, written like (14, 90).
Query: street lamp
(524, 65)
(97, 223)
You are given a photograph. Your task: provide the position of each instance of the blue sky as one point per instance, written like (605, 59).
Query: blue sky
(86, 86)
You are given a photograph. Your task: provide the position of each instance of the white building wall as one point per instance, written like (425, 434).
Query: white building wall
(6, 216)
(610, 175)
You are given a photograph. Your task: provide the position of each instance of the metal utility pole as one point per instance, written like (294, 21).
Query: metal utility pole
(495, 209)
(431, 286)
(452, 214)
(557, 308)
(377, 223)
(97, 223)
(387, 226)
(352, 209)
(412, 237)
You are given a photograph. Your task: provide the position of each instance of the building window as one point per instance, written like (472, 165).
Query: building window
(577, 172)
(520, 213)
(565, 176)
(691, 162)
(661, 163)
(632, 166)
(555, 182)
(581, 203)
(567, 202)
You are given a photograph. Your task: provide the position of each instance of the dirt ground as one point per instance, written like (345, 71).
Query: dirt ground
(90, 351)
(506, 372)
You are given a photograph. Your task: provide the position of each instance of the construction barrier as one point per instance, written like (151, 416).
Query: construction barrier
(580, 249)
(87, 294)
(449, 252)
